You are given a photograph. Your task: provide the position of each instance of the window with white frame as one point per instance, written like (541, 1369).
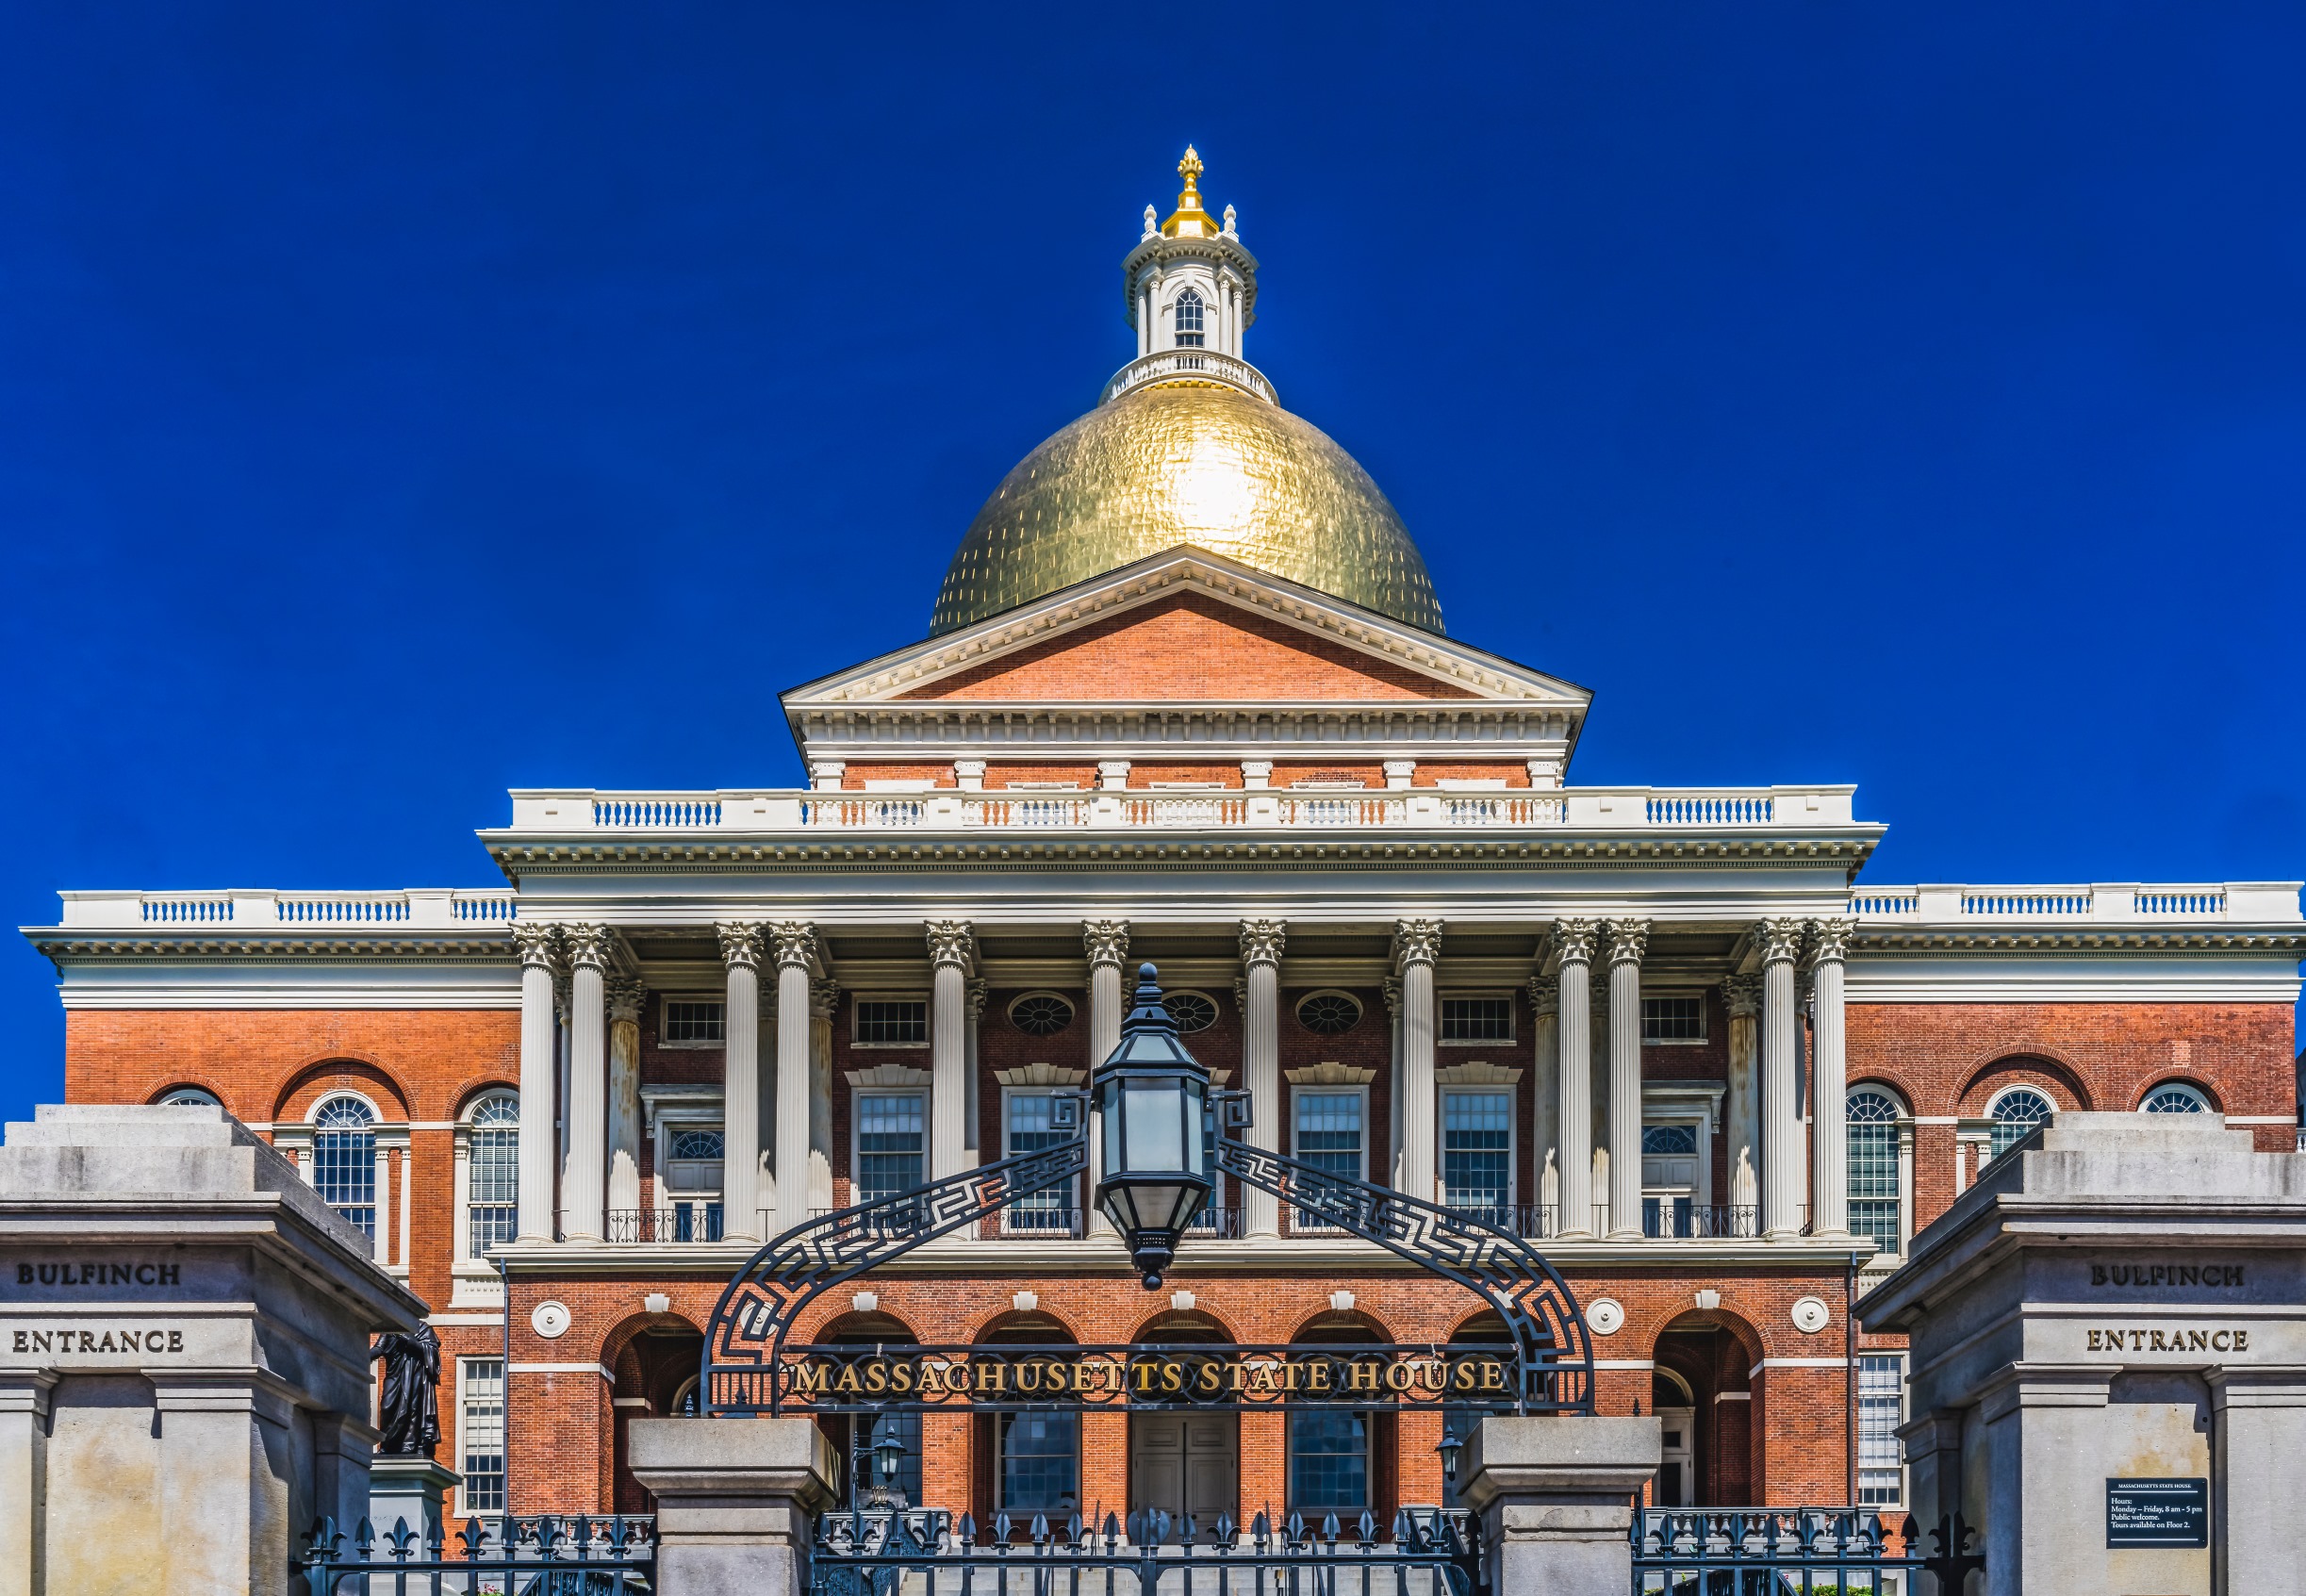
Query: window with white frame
(1477, 1152)
(1030, 1125)
(190, 1097)
(892, 1022)
(344, 1161)
(2014, 1114)
(2174, 1097)
(1873, 1188)
(890, 1155)
(492, 1174)
(1668, 1180)
(1189, 320)
(1881, 1408)
(480, 1433)
(696, 1022)
(1666, 1020)
(1328, 1133)
(1477, 1019)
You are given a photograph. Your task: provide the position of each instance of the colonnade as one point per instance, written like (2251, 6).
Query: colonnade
(576, 966)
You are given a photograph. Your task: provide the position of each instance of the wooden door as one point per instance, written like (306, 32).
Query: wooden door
(1185, 1465)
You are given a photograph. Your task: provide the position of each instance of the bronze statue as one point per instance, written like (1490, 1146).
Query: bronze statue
(411, 1409)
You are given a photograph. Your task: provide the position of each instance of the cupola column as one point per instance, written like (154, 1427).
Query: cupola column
(1416, 945)
(797, 968)
(1781, 1109)
(740, 1094)
(539, 946)
(952, 956)
(1260, 1055)
(1575, 939)
(1628, 940)
(581, 1187)
(1107, 943)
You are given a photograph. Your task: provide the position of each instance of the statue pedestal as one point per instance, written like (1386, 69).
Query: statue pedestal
(1556, 1499)
(736, 1500)
(409, 1490)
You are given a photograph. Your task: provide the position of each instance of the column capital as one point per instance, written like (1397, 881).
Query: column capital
(1628, 940)
(952, 942)
(1416, 941)
(1780, 940)
(588, 946)
(976, 994)
(1261, 941)
(1743, 995)
(1573, 940)
(795, 942)
(1106, 942)
(741, 942)
(1829, 941)
(539, 944)
(824, 996)
(626, 995)
(1544, 996)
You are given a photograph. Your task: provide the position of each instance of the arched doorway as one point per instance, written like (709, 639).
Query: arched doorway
(1342, 1461)
(1184, 1462)
(852, 1433)
(1676, 1407)
(1700, 1390)
(656, 1372)
(1029, 1462)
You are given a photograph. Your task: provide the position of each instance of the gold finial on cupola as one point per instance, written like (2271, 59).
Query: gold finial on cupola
(1189, 220)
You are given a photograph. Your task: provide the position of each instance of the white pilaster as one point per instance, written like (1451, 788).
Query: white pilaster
(1546, 1090)
(1742, 1111)
(823, 1002)
(380, 1243)
(625, 998)
(1628, 940)
(1829, 1078)
(972, 1132)
(1107, 943)
(952, 956)
(1781, 1113)
(740, 1124)
(582, 1187)
(797, 965)
(1260, 1055)
(538, 946)
(1575, 940)
(1416, 945)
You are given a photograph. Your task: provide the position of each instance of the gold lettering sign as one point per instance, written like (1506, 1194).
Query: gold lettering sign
(1088, 1376)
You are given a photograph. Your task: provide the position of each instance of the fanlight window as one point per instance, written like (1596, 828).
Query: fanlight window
(1041, 1013)
(1874, 1168)
(492, 1195)
(2016, 1112)
(1191, 1011)
(1326, 1014)
(2173, 1098)
(1189, 320)
(344, 1161)
(696, 1144)
(191, 1097)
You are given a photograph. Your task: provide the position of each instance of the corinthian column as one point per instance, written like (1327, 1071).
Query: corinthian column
(1107, 943)
(1628, 940)
(1743, 1116)
(1575, 940)
(972, 1133)
(797, 965)
(625, 998)
(581, 1187)
(1829, 1073)
(952, 951)
(1546, 1090)
(1416, 945)
(740, 1092)
(1261, 1057)
(824, 998)
(1781, 1113)
(538, 946)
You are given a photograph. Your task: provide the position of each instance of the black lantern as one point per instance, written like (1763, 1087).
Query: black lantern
(888, 1452)
(1154, 1098)
(1449, 1448)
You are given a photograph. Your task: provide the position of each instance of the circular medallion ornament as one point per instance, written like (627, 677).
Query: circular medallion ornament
(551, 1320)
(1811, 1315)
(1605, 1316)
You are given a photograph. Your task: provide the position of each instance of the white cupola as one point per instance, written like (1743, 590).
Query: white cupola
(1191, 286)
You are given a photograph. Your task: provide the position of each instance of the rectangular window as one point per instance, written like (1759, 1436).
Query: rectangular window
(494, 1172)
(1328, 1463)
(1478, 1153)
(1031, 1127)
(1673, 1019)
(1328, 1137)
(1477, 1019)
(1873, 1183)
(1041, 1456)
(893, 1022)
(480, 1433)
(1881, 1408)
(696, 1021)
(344, 1174)
(889, 1143)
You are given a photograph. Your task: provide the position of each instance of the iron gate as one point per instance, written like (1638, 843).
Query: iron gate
(545, 1554)
(1793, 1552)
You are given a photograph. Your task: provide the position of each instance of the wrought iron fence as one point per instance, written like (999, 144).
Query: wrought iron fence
(1794, 1552)
(867, 1554)
(552, 1554)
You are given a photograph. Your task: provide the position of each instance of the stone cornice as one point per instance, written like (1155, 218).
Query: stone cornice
(2080, 939)
(493, 947)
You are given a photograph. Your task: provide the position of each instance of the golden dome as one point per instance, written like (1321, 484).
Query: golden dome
(1171, 464)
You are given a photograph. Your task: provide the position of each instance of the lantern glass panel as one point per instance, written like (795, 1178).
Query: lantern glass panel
(1154, 1112)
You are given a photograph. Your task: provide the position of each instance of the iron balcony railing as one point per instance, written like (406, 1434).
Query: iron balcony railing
(687, 1221)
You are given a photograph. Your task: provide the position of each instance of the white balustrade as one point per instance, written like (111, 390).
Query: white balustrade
(418, 908)
(2027, 903)
(656, 811)
(1709, 809)
(2193, 903)
(1202, 365)
(2079, 903)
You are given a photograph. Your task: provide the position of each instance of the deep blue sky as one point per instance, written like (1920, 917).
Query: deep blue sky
(401, 404)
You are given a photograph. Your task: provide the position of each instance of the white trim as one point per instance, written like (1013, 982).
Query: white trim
(1511, 1094)
(2201, 1098)
(639, 1401)
(857, 1000)
(664, 1000)
(893, 1077)
(1800, 1363)
(1624, 1363)
(1329, 1073)
(1734, 1396)
(857, 1095)
(456, 1441)
(1298, 1091)
(1705, 1035)
(2260, 1119)
(1072, 1188)
(1484, 995)
(1043, 1075)
(561, 1369)
(475, 1320)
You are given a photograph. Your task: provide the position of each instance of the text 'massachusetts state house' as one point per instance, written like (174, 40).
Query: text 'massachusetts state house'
(1185, 697)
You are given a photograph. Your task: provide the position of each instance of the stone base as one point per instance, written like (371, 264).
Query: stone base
(735, 1499)
(1556, 1499)
(408, 1490)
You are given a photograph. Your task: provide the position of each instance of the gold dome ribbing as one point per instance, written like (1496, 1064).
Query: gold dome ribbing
(1203, 465)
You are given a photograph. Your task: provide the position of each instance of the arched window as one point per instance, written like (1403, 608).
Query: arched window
(190, 1097)
(1189, 320)
(1874, 1167)
(492, 1181)
(2174, 1097)
(344, 1161)
(2015, 1113)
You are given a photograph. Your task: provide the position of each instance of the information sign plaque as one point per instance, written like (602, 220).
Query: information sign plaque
(2171, 1513)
